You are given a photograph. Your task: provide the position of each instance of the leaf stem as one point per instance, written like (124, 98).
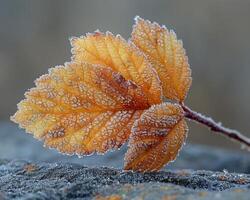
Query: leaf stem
(216, 126)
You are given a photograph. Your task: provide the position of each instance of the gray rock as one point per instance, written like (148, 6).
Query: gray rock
(51, 175)
(16, 144)
(30, 180)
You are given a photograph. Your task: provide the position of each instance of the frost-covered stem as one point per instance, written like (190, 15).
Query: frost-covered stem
(214, 126)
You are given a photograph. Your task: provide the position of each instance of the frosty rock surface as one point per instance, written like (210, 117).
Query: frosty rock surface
(26, 180)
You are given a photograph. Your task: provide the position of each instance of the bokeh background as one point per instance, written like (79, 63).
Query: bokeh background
(34, 36)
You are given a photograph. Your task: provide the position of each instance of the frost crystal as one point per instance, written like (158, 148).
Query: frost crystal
(168, 56)
(111, 90)
(156, 138)
(82, 108)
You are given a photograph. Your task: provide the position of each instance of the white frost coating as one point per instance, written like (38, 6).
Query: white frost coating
(114, 52)
(153, 142)
(166, 53)
(81, 108)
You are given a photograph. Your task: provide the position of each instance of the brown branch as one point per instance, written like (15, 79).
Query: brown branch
(214, 126)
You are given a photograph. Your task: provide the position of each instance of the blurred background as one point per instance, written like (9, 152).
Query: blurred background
(34, 36)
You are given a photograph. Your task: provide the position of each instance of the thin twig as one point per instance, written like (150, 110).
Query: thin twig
(214, 126)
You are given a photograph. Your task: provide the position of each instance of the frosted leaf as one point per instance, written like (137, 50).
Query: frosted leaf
(81, 108)
(167, 56)
(114, 52)
(156, 138)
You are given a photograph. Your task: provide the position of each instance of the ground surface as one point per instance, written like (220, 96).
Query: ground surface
(21, 179)
(50, 175)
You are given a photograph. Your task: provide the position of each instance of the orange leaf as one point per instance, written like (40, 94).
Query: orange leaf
(114, 52)
(156, 138)
(81, 108)
(167, 56)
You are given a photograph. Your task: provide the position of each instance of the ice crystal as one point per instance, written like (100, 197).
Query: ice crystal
(111, 92)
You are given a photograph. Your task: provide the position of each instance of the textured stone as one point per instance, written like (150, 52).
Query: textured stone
(51, 175)
(28, 180)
